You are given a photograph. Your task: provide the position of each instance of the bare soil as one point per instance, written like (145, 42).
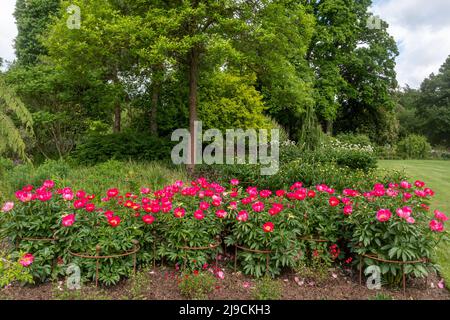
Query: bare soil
(162, 284)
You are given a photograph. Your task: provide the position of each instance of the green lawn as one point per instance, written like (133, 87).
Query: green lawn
(436, 174)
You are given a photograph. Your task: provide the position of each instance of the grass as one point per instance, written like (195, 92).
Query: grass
(436, 175)
(127, 176)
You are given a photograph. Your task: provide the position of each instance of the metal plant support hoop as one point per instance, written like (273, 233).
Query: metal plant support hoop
(313, 240)
(401, 263)
(266, 252)
(98, 257)
(212, 246)
(18, 240)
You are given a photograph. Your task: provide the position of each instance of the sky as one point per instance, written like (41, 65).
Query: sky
(421, 29)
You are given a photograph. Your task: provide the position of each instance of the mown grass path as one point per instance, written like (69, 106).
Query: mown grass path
(436, 175)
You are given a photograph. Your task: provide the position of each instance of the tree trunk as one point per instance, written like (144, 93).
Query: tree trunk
(154, 111)
(117, 117)
(193, 88)
(330, 127)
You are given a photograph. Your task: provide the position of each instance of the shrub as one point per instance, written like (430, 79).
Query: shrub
(355, 139)
(440, 153)
(36, 218)
(388, 152)
(197, 286)
(354, 156)
(356, 160)
(193, 224)
(392, 222)
(121, 146)
(414, 147)
(109, 230)
(265, 225)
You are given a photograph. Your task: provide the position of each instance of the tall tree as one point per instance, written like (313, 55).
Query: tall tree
(32, 19)
(433, 106)
(354, 63)
(98, 55)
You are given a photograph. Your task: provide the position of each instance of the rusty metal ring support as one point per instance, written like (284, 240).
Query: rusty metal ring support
(398, 262)
(38, 239)
(254, 250)
(314, 240)
(369, 256)
(125, 254)
(98, 257)
(266, 252)
(212, 246)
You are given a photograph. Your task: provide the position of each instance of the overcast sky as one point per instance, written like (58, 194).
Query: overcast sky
(421, 29)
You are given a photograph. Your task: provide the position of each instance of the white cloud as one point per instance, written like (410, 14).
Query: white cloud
(8, 29)
(422, 31)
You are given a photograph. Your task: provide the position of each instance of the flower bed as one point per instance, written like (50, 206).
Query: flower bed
(275, 229)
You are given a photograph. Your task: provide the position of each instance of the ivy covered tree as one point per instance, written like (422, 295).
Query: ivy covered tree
(32, 19)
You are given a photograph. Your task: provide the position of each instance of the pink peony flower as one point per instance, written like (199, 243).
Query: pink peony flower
(68, 220)
(233, 205)
(179, 212)
(8, 206)
(410, 220)
(252, 191)
(440, 216)
(26, 260)
(148, 219)
(436, 226)
(348, 209)
(384, 215)
(68, 196)
(407, 196)
(204, 205)
(109, 214)
(405, 185)
(419, 184)
(242, 216)
(334, 202)
(268, 227)
(280, 193)
(265, 193)
(49, 184)
(145, 190)
(234, 182)
(199, 215)
(221, 214)
(258, 206)
(220, 274)
(404, 212)
(350, 193)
